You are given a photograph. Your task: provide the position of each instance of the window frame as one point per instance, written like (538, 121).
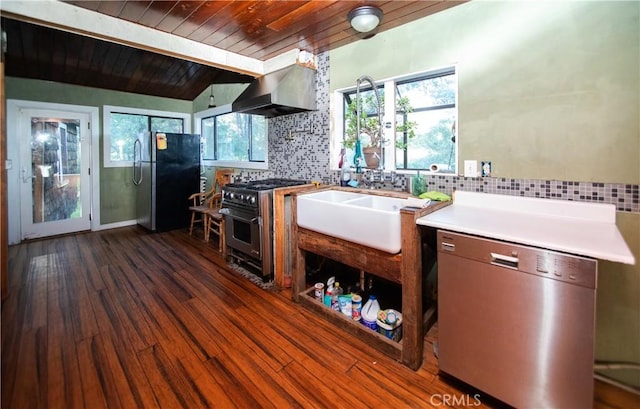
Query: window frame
(107, 110)
(221, 110)
(389, 116)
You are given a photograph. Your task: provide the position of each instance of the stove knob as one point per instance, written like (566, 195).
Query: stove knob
(252, 200)
(240, 197)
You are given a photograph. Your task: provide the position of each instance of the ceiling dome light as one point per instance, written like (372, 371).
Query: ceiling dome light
(365, 18)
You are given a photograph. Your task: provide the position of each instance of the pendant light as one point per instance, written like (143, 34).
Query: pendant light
(212, 101)
(365, 18)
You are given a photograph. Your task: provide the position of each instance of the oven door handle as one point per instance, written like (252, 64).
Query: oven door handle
(227, 212)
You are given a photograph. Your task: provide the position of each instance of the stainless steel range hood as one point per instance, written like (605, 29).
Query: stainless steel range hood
(287, 91)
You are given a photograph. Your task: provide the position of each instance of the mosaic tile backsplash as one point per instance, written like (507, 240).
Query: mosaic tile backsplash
(623, 196)
(298, 144)
(299, 149)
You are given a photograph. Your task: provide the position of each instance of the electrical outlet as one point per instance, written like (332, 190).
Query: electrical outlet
(486, 168)
(470, 168)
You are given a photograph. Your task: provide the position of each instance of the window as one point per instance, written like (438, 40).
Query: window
(123, 125)
(425, 115)
(232, 138)
(433, 101)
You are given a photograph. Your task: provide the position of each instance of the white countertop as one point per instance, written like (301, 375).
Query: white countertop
(581, 228)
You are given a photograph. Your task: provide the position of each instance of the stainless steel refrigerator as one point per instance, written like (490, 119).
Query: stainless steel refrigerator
(166, 171)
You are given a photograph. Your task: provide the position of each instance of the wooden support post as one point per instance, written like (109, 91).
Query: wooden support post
(298, 274)
(283, 244)
(279, 243)
(4, 218)
(411, 271)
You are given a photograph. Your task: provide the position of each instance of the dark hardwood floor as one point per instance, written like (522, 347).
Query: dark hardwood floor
(123, 319)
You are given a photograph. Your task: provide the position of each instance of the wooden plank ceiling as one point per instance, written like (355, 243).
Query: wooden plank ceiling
(42, 53)
(257, 29)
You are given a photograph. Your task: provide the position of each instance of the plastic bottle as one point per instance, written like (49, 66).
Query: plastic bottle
(328, 292)
(345, 174)
(327, 297)
(337, 291)
(369, 313)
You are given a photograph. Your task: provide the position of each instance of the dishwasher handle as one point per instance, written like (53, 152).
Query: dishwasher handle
(504, 261)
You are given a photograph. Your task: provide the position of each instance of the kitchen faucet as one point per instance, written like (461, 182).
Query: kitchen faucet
(378, 112)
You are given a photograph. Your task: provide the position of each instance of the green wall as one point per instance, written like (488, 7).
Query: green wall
(547, 90)
(117, 193)
(618, 306)
(222, 93)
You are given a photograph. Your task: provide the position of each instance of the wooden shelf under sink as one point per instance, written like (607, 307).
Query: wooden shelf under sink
(404, 268)
(372, 338)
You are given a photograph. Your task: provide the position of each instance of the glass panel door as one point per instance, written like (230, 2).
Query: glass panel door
(55, 189)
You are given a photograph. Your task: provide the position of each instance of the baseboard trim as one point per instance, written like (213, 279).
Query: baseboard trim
(116, 225)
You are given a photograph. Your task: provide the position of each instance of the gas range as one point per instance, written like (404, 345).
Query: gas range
(248, 213)
(245, 194)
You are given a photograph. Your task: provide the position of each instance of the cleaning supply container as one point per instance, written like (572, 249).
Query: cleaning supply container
(337, 292)
(356, 307)
(390, 324)
(369, 314)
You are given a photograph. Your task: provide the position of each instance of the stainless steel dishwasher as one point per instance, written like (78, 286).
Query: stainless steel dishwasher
(517, 322)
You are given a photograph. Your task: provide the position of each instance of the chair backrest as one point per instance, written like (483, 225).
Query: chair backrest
(221, 178)
(203, 188)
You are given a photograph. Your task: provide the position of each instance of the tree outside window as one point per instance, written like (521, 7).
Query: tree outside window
(124, 131)
(426, 111)
(125, 128)
(433, 100)
(234, 137)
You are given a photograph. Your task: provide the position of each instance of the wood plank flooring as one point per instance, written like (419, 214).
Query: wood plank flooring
(124, 319)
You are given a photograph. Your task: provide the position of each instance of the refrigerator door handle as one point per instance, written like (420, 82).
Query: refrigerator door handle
(137, 162)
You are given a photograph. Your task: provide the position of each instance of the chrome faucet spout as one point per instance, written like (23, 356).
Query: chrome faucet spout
(366, 78)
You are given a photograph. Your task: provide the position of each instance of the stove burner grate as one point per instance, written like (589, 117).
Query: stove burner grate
(266, 184)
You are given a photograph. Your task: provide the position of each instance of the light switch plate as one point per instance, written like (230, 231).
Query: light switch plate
(471, 168)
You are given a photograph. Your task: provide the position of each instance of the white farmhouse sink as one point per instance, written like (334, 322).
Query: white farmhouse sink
(370, 220)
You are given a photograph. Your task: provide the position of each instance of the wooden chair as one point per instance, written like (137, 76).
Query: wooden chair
(198, 205)
(214, 221)
(207, 205)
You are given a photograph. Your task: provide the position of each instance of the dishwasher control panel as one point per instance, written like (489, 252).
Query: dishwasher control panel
(533, 260)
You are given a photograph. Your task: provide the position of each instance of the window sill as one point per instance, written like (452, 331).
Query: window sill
(236, 164)
(407, 172)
